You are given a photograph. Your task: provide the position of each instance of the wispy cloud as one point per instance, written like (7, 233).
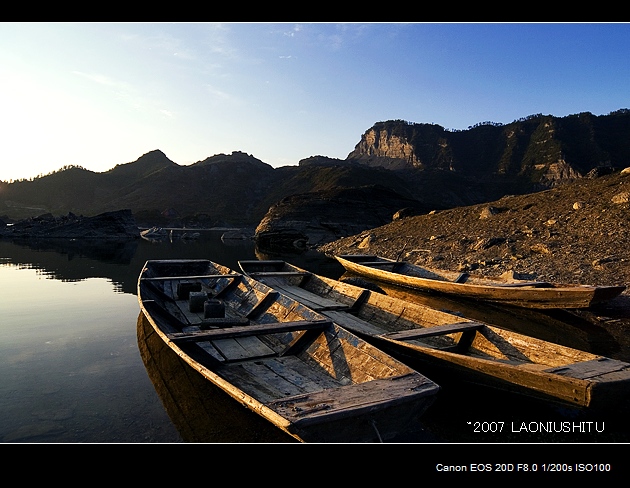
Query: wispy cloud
(103, 80)
(222, 96)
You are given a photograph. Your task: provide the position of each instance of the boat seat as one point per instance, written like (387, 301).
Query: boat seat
(263, 274)
(249, 330)
(189, 277)
(436, 330)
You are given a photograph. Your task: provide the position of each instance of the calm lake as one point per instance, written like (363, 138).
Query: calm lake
(79, 365)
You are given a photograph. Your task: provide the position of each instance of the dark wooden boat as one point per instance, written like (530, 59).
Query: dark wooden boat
(450, 348)
(514, 292)
(199, 410)
(289, 364)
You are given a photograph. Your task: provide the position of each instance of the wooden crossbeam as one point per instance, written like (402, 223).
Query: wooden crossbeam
(249, 330)
(263, 274)
(189, 277)
(433, 331)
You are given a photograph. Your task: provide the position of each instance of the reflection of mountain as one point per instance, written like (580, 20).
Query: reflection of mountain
(68, 260)
(108, 251)
(200, 411)
(120, 262)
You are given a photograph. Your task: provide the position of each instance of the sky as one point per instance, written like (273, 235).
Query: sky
(101, 94)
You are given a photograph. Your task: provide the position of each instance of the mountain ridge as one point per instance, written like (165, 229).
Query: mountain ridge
(437, 167)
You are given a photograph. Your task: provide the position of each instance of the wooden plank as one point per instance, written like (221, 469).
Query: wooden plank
(346, 401)
(537, 284)
(294, 371)
(589, 369)
(360, 300)
(250, 330)
(255, 262)
(223, 322)
(263, 304)
(272, 379)
(378, 263)
(263, 274)
(461, 278)
(211, 350)
(435, 330)
(188, 277)
(243, 348)
(308, 298)
(315, 376)
(353, 323)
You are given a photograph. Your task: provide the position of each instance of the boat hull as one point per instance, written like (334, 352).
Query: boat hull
(292, 366)
(528, 294)
(452, 349)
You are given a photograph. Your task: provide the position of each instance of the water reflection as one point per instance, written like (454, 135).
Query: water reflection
(119, 262)
(144, 392)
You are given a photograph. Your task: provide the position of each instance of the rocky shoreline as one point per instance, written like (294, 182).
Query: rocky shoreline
(577, 233)
(574, 233)
(119, 225)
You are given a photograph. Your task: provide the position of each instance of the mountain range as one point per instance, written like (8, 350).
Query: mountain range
(423, 163)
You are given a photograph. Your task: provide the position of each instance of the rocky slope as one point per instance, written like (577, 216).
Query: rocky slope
(314, 218)
(574, 233)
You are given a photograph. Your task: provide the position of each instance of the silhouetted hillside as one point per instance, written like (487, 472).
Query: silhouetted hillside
(437, 167)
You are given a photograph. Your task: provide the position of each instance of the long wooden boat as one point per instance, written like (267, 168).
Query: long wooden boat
(199, 410)
(521, 293)
(452, 349)
(289, 364)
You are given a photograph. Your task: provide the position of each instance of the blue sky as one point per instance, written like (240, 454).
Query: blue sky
(101, 94)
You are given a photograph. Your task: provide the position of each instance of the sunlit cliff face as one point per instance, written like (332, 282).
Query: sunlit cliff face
(381, 143)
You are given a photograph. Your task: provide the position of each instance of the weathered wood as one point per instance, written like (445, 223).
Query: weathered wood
(248, 330)
(308, 298)
(345, 401)
(530, 294)
(433, 331)
(464, 349)
(189, 277)
(262, 274)
(223, 322)
(240, 348)
(263, 304)
(591, 369)
(270, 346)
(538, 284)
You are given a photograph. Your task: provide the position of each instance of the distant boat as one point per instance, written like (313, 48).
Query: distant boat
(291, 365)
(453, 349)
(514, 292)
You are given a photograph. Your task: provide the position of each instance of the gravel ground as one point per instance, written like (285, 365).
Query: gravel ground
(577, 233)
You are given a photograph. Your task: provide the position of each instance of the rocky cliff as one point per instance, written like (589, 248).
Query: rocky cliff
(541, 151)
(312, 219)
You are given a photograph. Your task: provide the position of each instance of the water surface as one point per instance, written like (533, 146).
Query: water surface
(78, 363)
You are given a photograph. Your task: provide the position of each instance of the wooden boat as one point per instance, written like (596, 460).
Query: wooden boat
(453, 349)
(289, 364)
(521, 293)
(199, 410)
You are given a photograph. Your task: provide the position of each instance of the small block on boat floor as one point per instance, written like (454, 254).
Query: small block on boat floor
(213, 308)
(196, 301)
(184, 288)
